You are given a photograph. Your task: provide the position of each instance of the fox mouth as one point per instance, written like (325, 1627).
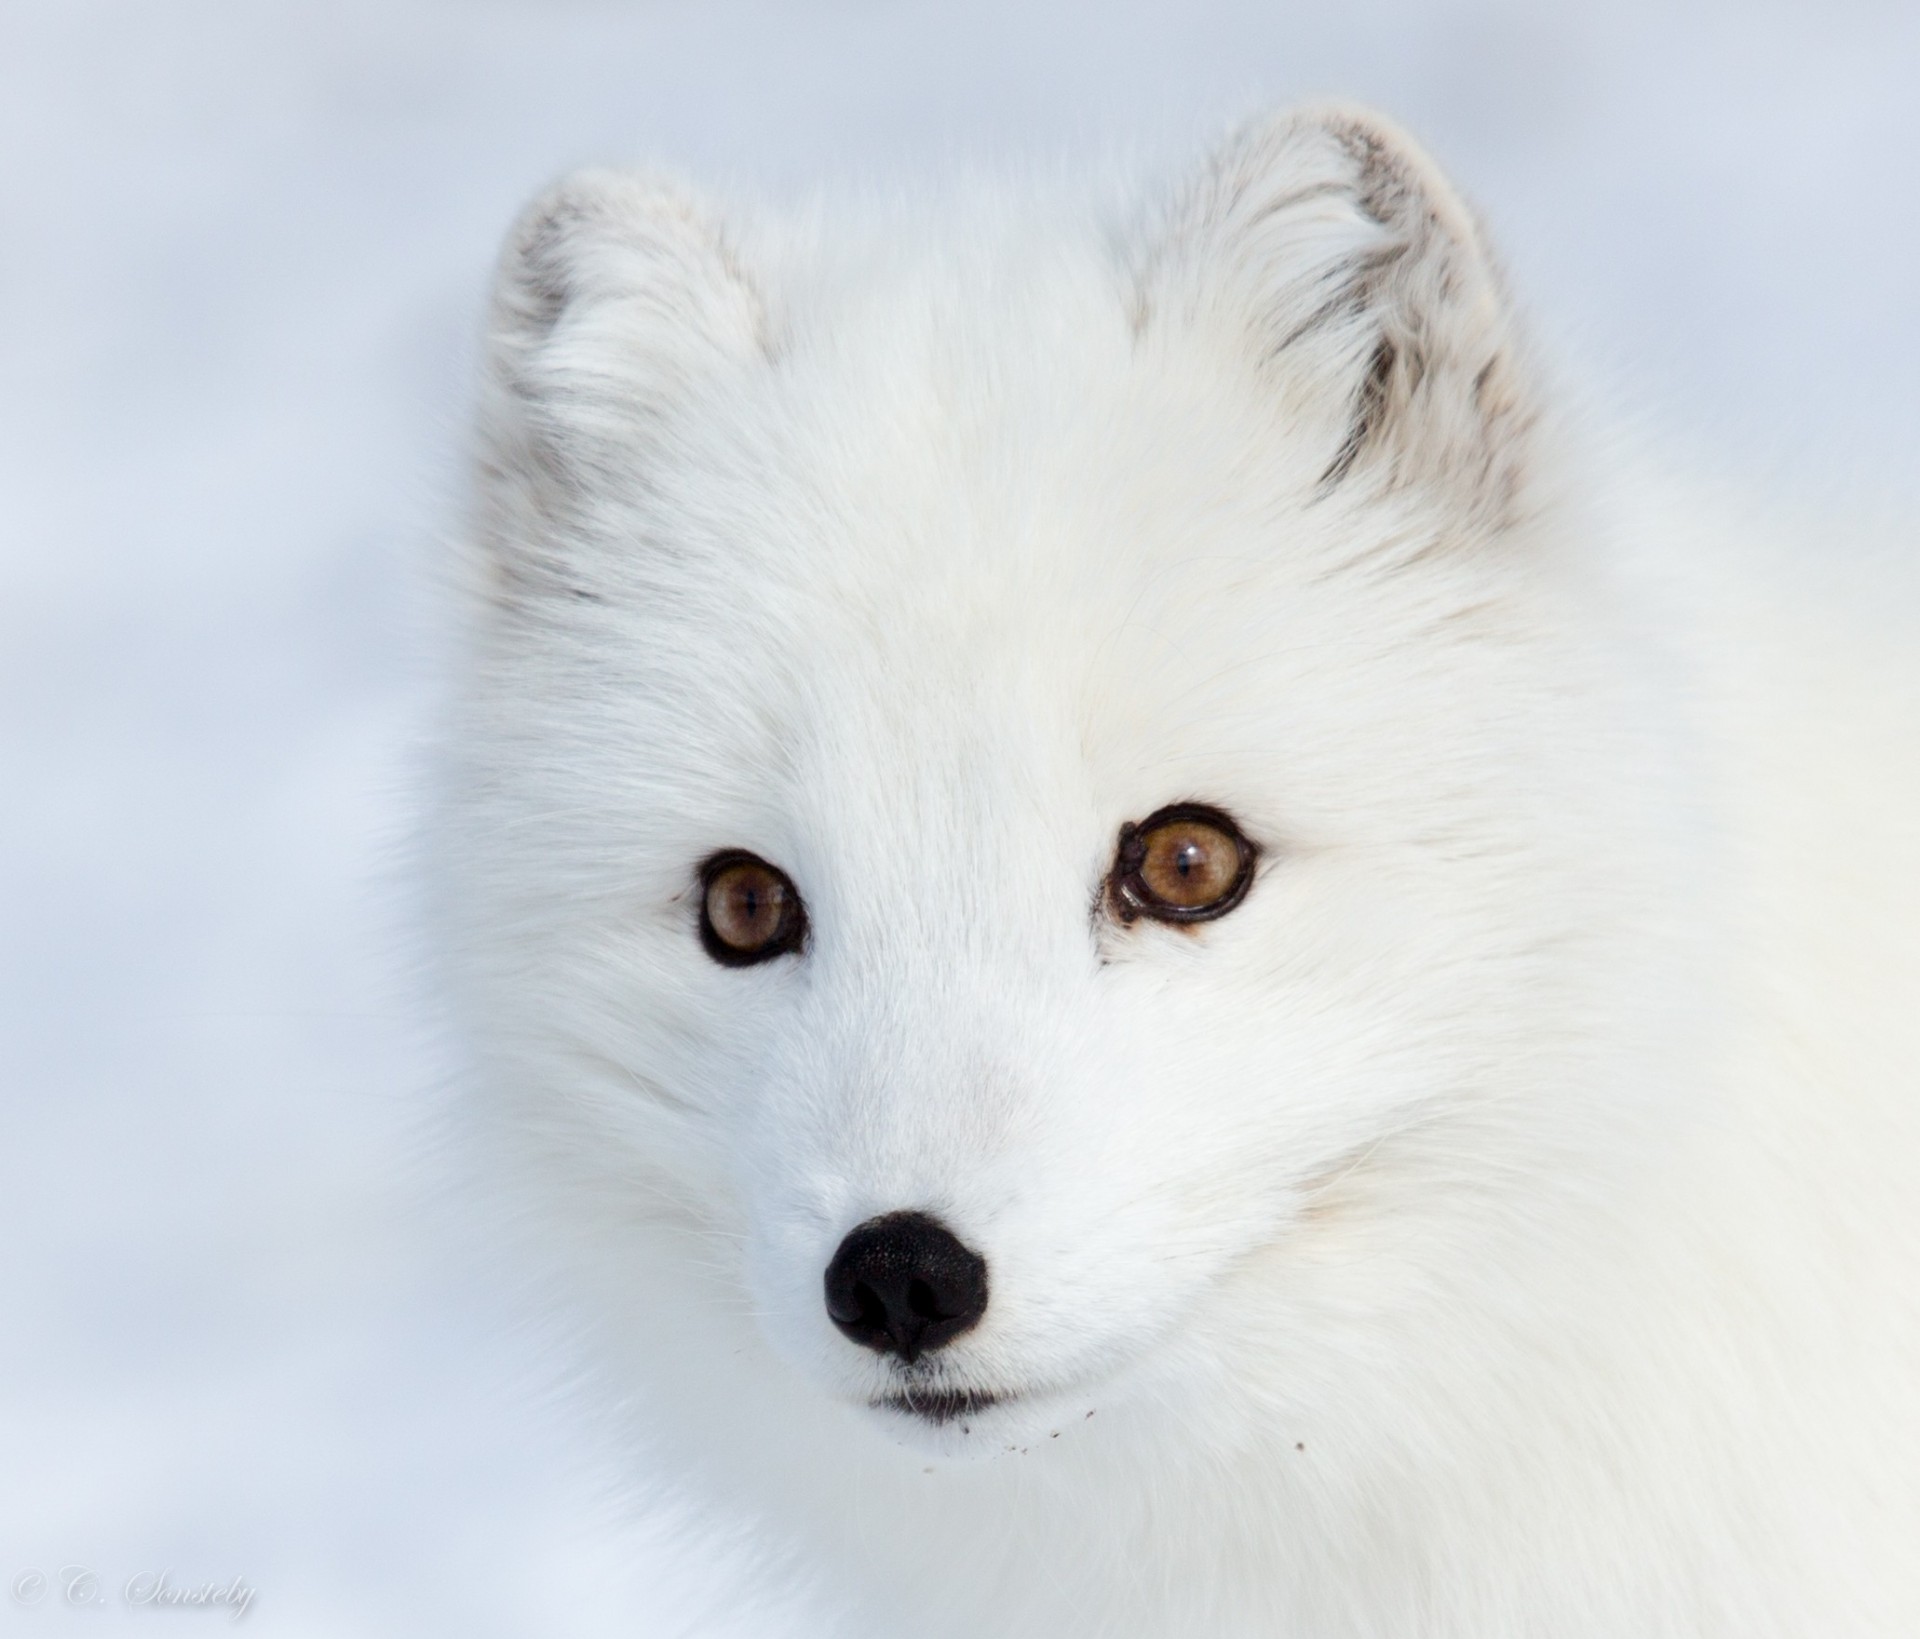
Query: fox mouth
(938, 1406)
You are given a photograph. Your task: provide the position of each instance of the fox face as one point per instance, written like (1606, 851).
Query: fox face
(1015, 785)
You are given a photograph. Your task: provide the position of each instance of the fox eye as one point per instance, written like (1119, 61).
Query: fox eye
(750, 911)
(1187, 863)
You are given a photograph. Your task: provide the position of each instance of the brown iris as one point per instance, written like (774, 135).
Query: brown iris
(1187, 863)
(750, 911)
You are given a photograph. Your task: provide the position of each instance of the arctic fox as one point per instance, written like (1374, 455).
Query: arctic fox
(1163, 955)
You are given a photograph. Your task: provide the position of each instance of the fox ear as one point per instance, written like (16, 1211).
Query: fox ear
(1357, 281)
(616, 295)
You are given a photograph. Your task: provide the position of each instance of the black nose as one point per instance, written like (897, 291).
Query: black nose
(903, 1284)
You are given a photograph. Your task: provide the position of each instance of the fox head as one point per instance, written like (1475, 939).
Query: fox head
(1035, 822)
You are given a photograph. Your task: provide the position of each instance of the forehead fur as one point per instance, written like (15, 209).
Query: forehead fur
(973, 454)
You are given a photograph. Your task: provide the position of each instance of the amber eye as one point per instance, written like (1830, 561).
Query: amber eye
(749, 911)
(1186, 863)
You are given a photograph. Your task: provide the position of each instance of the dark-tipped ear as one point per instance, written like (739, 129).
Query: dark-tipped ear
(1354, 278)
(616, 295)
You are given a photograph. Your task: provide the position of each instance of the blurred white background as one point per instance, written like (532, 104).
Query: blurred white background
(242, 250)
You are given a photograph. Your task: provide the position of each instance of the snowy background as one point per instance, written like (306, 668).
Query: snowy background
(242, 245)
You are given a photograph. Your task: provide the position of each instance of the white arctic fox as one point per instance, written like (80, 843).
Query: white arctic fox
(1161, 956)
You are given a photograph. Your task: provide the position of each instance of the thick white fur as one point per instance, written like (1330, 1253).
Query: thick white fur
(1504, 1222)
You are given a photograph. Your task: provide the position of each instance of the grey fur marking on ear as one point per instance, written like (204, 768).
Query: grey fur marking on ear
(637, 249)
(616, 295)
(1364, 292)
